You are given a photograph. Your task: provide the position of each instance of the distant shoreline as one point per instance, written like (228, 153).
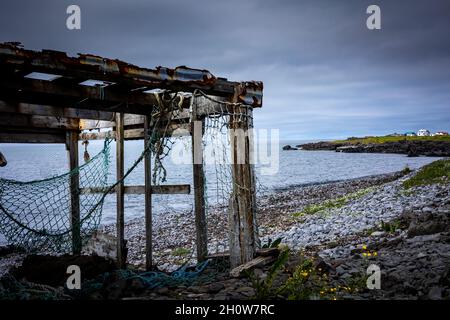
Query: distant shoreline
(433, 146)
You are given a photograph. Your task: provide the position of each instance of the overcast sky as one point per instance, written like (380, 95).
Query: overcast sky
(325, 74)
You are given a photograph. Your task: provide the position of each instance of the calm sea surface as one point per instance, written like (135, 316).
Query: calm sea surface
(33, 161)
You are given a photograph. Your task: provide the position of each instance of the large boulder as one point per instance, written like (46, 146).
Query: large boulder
(288, 147)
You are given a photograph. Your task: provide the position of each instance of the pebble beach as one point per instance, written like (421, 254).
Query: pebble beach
(364, 203)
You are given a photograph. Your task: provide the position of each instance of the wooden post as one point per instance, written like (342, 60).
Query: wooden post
(72, 148)
(243, 237)
(199, 187)
(148, 197)
(120, 191)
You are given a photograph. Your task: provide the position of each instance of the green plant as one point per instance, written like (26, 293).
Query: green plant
(181, 252)
(305, 283)
(391, 226)
(435, 172)
(271, 244)
(308, 282)
(264, 287)
(406, 170)
(332, 203)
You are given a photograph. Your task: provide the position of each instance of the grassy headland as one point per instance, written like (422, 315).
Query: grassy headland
(384, 139)
(412, 146)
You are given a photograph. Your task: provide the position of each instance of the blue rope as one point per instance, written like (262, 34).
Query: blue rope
(155, 279)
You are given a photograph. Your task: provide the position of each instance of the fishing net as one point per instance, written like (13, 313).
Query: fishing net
(226, 126)
(36, 215)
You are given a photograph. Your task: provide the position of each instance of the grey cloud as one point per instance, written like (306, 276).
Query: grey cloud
(325, 74)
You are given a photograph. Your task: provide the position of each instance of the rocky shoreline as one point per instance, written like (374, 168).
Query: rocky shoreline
(410, 147)
(174, 233)
(334, 231)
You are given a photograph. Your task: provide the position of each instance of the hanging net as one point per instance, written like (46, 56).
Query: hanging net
(36, 215)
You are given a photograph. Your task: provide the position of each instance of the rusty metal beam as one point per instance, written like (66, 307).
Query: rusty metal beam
(85, 66)
(99, 68)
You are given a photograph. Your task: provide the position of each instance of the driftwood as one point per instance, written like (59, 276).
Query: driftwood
(257, 262)
(264, 257)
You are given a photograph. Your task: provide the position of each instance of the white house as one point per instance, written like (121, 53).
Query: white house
(423, 133)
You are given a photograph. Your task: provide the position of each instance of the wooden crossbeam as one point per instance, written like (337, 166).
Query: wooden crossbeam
(32, 121)
(162, 189)
(77, 96)
(54, 111)
(129, 120)
(27, 137)
(134, 134)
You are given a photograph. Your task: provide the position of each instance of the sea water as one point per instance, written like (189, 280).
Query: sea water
(38, 161)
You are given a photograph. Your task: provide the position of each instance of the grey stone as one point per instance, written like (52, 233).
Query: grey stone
(435, 293)
(163, 290)
(215, 287)
(378, 233)
(420, 239)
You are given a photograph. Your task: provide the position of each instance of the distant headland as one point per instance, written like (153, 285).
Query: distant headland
(437, 145)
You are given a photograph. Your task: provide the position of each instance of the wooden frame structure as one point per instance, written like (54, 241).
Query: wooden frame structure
(49, 97)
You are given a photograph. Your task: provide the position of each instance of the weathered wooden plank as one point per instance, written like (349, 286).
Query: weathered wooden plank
(97, 135)
(131, 134)
(204, 108)
(32, 121)
(120, 192)
(134, 134)
(264, 252)
(243, 268)
(107, 94)
(24, 137)
(45, 110)
(86, 124)
(72, 149)
(242, 219)
(199, 188)
(129, 120)
(148, 197)
(162, 189)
